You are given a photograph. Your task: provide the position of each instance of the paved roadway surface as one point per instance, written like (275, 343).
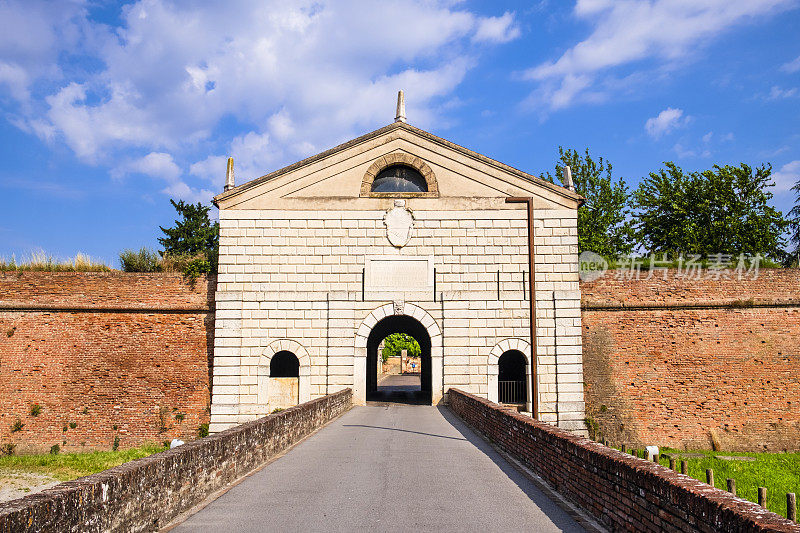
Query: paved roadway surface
(399, 388)
(386, 467)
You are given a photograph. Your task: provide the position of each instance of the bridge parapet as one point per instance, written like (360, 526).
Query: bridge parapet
(622, 491)
(148, 493)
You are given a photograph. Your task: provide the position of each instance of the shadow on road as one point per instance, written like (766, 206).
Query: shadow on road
(535, 494)
(399, 388)
(402, 430)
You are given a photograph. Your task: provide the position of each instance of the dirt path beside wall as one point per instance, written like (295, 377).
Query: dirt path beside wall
(16, 484)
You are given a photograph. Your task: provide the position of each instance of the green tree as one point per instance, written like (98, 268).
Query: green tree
(724, 210)
(395, 342)
(794, 227)
(193, 235)
(604, 225)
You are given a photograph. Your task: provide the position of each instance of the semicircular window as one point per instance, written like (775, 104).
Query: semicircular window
(399, 178)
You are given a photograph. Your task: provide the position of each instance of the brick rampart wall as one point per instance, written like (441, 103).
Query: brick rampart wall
(623, 492)
(148, 493)
(671, 362)
(114, 354)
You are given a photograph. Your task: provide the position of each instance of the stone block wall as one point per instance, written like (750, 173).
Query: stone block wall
(623, 492)
(677, 361)
(298, 276)
(146, 494)
(104, 355)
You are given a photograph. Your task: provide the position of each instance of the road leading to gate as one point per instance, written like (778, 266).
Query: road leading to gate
(386, 468)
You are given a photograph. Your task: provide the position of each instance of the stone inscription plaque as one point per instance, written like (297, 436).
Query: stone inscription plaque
(403, 274)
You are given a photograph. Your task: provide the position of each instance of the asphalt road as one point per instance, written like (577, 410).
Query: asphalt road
(386, 468)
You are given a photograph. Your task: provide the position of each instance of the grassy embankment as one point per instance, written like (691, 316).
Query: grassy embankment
(67, 466)
(778, 472)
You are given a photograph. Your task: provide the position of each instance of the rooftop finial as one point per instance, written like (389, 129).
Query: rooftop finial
(567, 175)
(401, 107)
(229, 175)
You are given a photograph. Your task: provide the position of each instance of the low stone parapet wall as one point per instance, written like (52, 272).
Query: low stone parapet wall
(622, 492)
(148, 493)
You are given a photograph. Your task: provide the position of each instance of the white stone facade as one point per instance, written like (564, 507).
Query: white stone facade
(293, 275)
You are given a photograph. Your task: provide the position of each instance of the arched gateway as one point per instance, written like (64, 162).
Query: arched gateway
(398, 318)
(397, 231)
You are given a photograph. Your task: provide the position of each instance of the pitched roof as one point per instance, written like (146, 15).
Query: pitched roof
(386, 129)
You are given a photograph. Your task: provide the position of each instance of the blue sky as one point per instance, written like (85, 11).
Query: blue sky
(111, 109)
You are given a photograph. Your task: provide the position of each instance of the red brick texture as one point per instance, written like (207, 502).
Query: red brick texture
(675, 362)
(146, 494)
(622, 492)
(112, 354)
(665, 362)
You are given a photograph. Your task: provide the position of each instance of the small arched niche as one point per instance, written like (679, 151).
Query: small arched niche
(284, 380)
(511, 378)
(284, 364)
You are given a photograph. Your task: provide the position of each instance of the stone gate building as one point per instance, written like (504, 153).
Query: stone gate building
(396, 231)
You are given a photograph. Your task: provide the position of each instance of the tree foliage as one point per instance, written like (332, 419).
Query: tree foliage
(724, 210)
(794, 227)
(193, 235)
(395, 342)
(604, 226)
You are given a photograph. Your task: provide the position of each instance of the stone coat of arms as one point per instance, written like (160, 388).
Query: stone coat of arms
(399, 222)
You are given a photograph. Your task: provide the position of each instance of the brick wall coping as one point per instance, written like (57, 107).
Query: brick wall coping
(118, 292)
(679, 304)
(176, 309)
(773, 287)
(622, 491)
(146, 494)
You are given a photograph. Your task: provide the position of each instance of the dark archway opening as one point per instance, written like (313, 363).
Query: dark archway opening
(511, 378)
(284, 364)
(401, 394)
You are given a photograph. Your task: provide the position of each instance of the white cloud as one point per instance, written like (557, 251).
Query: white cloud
(155, 164)
(211, 169)
(665, 122)
(778, 93)
(253, 154)
(175, 71)
(16, 79)
(684, 152)
(293, 77)
(630, 32)
(497, 29)
(787, 176)
(792, 66)
(162, 166)
(181, 191)
(89, 129)
(35, 33)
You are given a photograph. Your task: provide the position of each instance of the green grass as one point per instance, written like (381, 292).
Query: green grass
(778, 472)
(67, 466)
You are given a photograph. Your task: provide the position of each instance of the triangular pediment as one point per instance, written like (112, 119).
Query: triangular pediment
(342, 174)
